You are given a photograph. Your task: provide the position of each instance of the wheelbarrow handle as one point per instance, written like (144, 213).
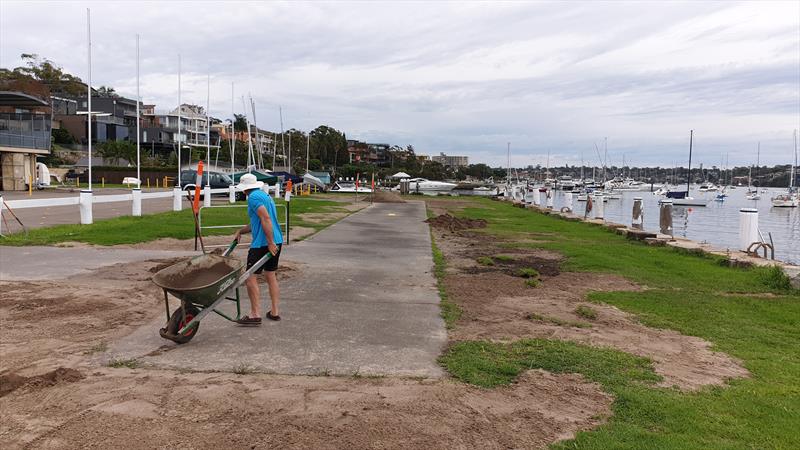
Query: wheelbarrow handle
(230, 248)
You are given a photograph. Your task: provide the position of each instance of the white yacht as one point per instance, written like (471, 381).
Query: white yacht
(349, 187)
(565, 183)
(427, 186)
(708, 186)
(786, 200)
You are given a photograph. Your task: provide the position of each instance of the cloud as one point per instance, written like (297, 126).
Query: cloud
(461, 78)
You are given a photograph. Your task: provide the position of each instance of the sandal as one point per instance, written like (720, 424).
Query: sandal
(249, 321)
(271, 317)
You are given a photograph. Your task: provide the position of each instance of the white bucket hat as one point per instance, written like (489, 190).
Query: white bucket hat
(249, 181)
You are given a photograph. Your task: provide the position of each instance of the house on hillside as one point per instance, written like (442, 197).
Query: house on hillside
(25, 131)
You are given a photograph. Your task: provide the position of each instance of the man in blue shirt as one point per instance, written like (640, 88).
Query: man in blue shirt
(267, 238)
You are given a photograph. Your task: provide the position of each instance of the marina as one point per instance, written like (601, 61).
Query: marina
(717, 223)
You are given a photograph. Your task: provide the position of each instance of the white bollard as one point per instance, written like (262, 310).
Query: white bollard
(598, 206)
(278, 189)
(207, 196)
(85, 202)
(177, 200)
(748, 227)
(665, 217)
(549, 199)
(231, 194)
(136, 194)
(568, 200)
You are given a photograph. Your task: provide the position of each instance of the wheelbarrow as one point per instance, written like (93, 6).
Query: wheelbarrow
(201, 284)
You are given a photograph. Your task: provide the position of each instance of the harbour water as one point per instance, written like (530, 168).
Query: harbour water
(716, 224)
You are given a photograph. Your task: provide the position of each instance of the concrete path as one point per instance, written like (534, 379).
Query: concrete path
(363, 301)
(52, 263)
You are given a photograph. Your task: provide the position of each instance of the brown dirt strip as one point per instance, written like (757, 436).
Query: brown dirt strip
(497, 305)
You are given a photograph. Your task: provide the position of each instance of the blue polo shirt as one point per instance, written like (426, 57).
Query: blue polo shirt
(255, 199)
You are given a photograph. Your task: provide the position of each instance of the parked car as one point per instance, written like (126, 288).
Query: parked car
(218, 180)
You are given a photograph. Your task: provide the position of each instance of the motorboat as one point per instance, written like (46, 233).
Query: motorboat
(424, 185)
(565, 183)
(349, 187)
(752, 195)
(786, 200)
(708, 186)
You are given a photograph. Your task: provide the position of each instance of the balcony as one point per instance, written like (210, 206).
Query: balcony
(25, 131)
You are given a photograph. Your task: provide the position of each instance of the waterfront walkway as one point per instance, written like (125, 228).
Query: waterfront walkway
(361, 300)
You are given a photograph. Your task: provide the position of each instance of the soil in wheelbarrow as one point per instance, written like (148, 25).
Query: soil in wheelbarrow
(198, 278)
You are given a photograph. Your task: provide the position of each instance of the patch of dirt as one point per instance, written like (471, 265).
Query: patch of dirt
(11, 382)
(114, 407)
(496, 305)
(387, 197)
(452, 223)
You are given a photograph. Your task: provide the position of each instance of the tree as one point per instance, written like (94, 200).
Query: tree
(240, 124)
(48, 73)
(116, 150)
(106, 91)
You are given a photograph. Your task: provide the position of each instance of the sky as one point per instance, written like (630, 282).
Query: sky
(464, 78)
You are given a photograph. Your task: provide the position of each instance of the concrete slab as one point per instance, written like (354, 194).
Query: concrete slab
(364, 301)
(53, 263)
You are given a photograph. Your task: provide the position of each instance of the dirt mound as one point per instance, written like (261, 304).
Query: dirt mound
(116, 407)
(452, 223)
(11, 382)
(387, 197)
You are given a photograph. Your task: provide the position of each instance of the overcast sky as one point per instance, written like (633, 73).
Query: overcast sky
(459, 78)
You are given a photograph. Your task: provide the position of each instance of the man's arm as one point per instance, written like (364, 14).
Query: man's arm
(266, 225)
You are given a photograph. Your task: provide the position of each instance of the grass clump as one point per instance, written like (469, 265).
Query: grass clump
(586, 312)
(97, 348)
(242, 369)
(450, 311)
(556, 321)
(119, 363)
(528, 272)
(489, 364)
(532, 282)
(485, 261)
(503, 258)
(774, 278)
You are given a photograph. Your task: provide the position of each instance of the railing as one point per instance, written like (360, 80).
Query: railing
(202, 227)
(25, 130)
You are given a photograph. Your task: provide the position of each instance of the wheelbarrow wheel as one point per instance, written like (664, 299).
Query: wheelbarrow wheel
(176, 322)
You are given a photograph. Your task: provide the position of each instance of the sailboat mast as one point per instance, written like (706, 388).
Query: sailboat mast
(208, 121)
(233, 134)
(508, 162)
(308, 148)
(689, 176)
(794, 167)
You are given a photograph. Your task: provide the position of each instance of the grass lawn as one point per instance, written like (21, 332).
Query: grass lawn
(750, 314)
(178, 225)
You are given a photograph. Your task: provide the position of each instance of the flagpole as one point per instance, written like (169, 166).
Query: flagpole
(138, 119)
(208, 122)
(178, 137)
(233, 134)
(89, 92)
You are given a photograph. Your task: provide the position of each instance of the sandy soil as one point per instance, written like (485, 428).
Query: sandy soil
(54, 396)
(499, 306)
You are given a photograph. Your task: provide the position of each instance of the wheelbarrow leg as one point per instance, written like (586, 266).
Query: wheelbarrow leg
(238, 308)
(166, 303)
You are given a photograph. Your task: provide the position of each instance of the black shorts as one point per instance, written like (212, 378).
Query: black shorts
(254, 254)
